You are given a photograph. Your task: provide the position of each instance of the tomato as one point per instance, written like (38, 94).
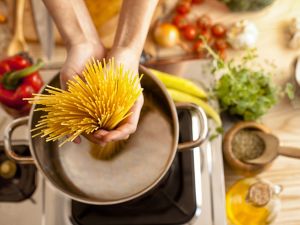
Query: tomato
(198, 46)
(190, 33)
(180, 21)
(197, 1)
(166, 35)
(206, 35)
(220, 44)
(222, 53)
(183, 7)
(218, 30)
(204, 22)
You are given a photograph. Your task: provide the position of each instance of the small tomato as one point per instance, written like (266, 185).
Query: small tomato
(220, 44)
(180, 21)
(198, 47)
(197, 1)
(204, 22)
(190, 32)
(222, 53)
(183, 7)
(218, 30)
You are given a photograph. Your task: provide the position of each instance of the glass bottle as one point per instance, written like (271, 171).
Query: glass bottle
(252, 201)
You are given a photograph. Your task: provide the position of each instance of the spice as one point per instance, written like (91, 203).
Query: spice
(247, 145)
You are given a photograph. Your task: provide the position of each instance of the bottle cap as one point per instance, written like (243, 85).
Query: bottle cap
(259, 193)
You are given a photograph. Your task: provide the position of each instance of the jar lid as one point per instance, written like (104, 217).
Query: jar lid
(259, 193)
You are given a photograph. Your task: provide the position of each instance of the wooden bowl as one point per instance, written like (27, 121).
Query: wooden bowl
(239, 166)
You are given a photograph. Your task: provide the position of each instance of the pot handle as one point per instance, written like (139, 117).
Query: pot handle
(203, 125)
(7, 141)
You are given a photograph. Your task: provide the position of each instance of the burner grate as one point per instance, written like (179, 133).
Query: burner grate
(23, 184)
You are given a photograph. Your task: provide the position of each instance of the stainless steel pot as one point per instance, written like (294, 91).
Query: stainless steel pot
(141, 165)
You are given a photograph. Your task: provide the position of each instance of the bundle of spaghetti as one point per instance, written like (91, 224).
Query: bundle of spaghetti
(98, 99)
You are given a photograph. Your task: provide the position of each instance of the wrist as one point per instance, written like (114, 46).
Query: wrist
(79, 41)
(93, 48)
(125, 54)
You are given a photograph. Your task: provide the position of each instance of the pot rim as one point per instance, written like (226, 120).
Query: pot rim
(175, 132)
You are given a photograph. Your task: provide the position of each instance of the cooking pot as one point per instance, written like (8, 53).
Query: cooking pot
(141, 165)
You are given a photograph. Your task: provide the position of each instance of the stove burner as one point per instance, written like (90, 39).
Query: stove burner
(23, 184)
(172, 202)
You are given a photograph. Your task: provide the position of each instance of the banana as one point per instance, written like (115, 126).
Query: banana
(178, 96)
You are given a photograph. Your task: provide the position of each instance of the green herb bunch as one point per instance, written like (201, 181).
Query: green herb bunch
(246, 5)
(243, 89)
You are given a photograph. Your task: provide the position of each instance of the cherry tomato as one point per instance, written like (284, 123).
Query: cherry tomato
(204, 22)
(197, 1)
(190, 33)
(180, 21)
(198, 46)
(218, 30)
(206, 35)
(183, 7)
(222, 53)
(220, 44)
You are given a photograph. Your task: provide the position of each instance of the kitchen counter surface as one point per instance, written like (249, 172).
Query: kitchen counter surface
(284, 120)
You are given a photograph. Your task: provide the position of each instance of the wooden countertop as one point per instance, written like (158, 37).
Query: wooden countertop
(283, 119)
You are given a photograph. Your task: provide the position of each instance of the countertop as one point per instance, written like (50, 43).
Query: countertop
(283, 119)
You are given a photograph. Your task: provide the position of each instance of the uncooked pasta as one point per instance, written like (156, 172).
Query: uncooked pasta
(98, 99)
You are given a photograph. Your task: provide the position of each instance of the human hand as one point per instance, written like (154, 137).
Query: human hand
(130, 60)
(77, 56)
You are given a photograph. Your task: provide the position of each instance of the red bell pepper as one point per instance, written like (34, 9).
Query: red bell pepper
(19, 79)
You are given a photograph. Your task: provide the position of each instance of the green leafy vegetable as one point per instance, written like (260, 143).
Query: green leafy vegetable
(290, 91)
(246, 5)
(243, 89)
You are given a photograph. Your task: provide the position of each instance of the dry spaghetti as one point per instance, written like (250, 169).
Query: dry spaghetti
(99, 99)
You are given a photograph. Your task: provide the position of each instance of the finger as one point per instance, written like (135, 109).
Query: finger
(95, 140)
(77, 140)
(135, 110)
(100, 133)
(120, 133)
(128, 126)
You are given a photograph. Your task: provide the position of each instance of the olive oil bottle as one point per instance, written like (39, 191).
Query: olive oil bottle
(252, 201)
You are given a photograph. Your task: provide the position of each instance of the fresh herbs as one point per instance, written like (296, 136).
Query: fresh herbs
(244, 89)
(246, 5)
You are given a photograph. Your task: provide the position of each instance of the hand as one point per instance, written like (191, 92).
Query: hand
(77, 56)
(130, 60)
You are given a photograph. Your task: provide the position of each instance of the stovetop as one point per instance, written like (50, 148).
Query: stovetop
(21, 184)
(47, 206)
(173, 201)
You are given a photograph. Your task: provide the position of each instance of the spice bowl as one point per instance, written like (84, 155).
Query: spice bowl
(233, 161)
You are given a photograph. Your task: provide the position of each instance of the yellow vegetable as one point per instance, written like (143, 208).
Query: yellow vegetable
(178, 96)
(180, 84)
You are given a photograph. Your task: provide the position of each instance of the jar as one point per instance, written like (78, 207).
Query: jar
(252, 201)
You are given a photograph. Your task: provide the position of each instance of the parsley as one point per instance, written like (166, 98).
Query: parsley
(244, 90)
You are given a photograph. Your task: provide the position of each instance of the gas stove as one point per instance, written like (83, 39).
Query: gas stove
(192, 192)
(179, 199)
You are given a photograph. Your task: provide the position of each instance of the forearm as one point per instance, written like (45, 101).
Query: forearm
(134, 22)
(73, 21)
